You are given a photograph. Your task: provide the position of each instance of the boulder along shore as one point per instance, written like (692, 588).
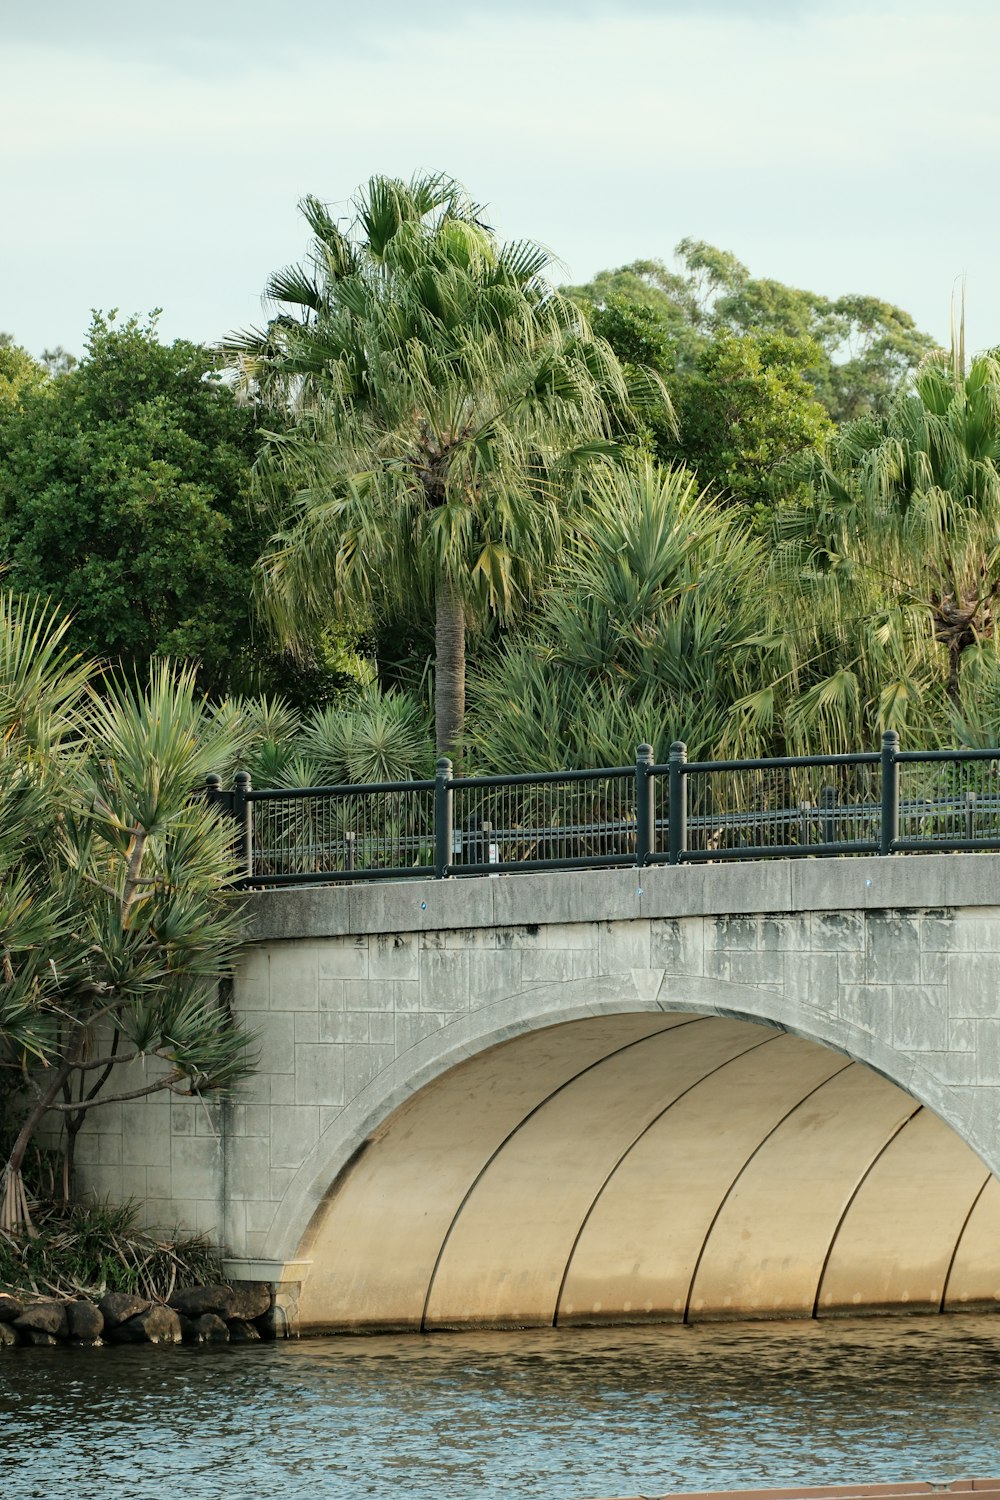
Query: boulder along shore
(217, 1314)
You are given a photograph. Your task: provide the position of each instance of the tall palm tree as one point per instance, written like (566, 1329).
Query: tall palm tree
(443, 396)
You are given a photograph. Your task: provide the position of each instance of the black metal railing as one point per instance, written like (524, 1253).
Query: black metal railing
(885, 802)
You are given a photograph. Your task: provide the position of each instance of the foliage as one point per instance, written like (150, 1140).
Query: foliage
(670, 618)
(756, 369)
(744, 411)
(115, 923)
(93, 1248)
(906, 510)
(370, 736)
(123, 489)
(654, 627)
(443, 394)
(860, 350)
(20, 374)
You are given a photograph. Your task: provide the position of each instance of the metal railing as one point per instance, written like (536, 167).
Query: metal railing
(884, 802)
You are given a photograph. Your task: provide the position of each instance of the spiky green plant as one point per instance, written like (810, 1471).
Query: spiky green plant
(653, 628)
(137, 868)
(91, 1248)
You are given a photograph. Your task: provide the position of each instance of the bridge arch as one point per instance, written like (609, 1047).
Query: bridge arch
(624, 1148)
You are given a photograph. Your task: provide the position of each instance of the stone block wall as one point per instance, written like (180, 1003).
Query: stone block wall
(360, 995)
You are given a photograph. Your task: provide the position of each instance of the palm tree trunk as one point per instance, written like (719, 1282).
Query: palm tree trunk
(449, 668)
(955, 649)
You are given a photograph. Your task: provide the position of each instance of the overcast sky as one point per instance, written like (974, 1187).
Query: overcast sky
(154, 155)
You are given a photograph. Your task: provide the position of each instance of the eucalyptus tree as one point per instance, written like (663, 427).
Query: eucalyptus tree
(857, 352)
(444, 395)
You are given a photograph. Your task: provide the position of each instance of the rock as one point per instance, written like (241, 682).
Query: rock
(8, 1336)
(251, 1299)
(157, 1325)
(242, 1332)
(10, 1307)
(40, 1338)
(193, 1301)
(211, 1329)
(189, 1331)
(118, 1307)
(265, 1325)
(43, 1317)
(86, 1322)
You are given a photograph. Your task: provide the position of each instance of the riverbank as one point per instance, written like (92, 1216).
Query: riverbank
(217, 1314)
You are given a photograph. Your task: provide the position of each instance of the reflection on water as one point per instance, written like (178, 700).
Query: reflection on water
(554, 1414)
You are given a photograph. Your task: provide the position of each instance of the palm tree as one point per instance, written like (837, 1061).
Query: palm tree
(902, 537)
(443, 396)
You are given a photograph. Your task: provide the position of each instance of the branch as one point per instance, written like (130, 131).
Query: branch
(166, 1082)
(112, 1057)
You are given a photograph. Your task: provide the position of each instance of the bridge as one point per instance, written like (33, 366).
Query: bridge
(666, 1091)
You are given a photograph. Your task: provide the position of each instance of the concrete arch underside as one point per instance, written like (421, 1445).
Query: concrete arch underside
(653, 1167)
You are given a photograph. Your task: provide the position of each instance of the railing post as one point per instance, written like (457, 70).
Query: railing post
(677, 814)
(443, 814)
(645, 822)
(243, 817)
(889, 831)
(827, 801)
(214, 795)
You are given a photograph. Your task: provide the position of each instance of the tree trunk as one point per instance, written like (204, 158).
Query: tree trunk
(14, 1215)
(954, 665)
(449, 668)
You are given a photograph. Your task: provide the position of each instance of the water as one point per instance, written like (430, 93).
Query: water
(556, 1414)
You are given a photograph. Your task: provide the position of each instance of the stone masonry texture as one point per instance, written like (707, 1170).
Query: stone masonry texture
(359, 995)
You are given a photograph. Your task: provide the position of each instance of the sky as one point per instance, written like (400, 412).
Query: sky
(153, 155)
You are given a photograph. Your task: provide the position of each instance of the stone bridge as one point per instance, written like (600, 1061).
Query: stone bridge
(677, 1093)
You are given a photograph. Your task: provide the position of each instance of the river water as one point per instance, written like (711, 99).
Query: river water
(556, 1414)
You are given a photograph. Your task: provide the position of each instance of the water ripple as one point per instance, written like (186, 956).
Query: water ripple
(554, 1414)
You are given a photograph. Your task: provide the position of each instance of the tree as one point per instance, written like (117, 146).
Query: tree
(20, 374)
(744, 411)
(115, 920)
(859, 350)
(909, 506)
(443, 391)
(124, 490)
(655, 627)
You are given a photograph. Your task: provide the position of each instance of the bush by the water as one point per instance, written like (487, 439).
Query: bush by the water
(96, 1248)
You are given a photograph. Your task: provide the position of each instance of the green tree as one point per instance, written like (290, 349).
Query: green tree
(20, 374)
(858, 351)
(655, 627)
(115, 919)
(744, 411)
(123, 490)
(907, 508)
(443, 392)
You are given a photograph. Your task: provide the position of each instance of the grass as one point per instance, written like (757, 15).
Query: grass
(92, 1248)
